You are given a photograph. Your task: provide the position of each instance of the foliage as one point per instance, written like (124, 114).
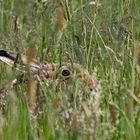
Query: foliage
(101, 36)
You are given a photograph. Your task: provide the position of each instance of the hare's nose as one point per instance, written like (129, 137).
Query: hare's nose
(65, 72)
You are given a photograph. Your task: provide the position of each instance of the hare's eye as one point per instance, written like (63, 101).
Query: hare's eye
(65, 72)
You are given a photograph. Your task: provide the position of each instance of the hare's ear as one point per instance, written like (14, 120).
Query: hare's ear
(7, 58)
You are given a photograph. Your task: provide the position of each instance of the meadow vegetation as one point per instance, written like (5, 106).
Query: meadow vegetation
(103, 37)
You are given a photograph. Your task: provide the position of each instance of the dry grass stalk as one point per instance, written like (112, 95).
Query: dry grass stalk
(15, 24)
(137, 56)
(32, 83)
(62, 16)
(113, 114)
(1, 126)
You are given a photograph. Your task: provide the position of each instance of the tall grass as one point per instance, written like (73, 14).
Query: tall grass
(102, 37)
